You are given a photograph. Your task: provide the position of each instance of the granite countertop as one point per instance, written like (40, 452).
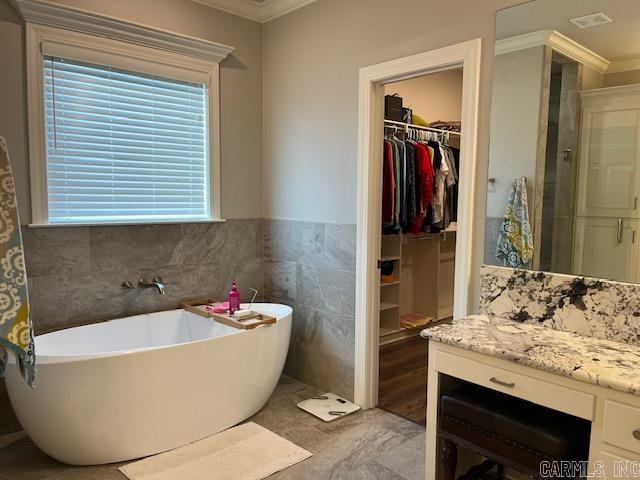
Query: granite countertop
(601, 362)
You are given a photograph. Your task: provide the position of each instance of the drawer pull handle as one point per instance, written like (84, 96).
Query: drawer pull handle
(636, 434)
(511, 385)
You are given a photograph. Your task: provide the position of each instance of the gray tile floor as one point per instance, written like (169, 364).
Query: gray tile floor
(366, 445)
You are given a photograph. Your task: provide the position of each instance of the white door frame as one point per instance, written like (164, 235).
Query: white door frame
(370, 134)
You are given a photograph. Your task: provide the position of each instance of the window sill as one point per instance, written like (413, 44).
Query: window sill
(120, 224)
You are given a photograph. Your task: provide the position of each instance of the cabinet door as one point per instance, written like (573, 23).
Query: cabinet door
(603, 250)
(615, 467)
(609, 173)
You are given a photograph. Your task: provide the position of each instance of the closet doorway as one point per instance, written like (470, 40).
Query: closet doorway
(421, 161)
(423, 266)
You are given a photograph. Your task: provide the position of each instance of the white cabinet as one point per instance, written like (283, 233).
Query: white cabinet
(613, 466)
(606, 248)
(609, 159)
(614, 444)
(622, 425)
(608, 213)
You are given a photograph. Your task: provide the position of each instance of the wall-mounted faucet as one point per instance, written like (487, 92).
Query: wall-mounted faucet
(155, 283)
(142, 283)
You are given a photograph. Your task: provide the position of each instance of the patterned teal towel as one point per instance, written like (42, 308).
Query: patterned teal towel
(515, 242)
(16, 330)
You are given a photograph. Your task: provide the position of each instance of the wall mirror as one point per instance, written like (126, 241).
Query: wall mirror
(564, 162)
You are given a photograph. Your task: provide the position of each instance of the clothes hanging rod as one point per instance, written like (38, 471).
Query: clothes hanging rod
(410, 125)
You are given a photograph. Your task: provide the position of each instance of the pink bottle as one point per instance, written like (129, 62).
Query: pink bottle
(234, 299)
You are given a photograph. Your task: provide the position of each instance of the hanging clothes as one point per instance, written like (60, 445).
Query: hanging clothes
(454, 189)
(420, 183)
(515, 241)
(401, 192)
(411, 211)
(440, 189)
(424, 181)
(450, 182)
(388, 185)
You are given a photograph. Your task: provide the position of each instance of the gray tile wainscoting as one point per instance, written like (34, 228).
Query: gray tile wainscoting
(491, 232)
(311, 266)
(75, 273)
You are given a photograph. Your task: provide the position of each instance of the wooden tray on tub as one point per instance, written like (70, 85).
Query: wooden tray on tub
(199, 307)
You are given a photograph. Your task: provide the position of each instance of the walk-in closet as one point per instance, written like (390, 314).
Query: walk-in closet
(421, 167)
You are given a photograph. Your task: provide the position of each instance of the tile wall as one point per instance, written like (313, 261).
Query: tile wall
(75, 274)
(311, 266)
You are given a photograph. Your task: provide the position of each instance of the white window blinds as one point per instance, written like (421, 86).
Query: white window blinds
(123, 146)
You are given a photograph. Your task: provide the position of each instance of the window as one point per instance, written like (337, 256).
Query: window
(123, 122)
(123, 146)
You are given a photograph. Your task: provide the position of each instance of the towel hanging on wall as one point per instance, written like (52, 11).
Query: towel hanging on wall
(16, 329)
(515, 241)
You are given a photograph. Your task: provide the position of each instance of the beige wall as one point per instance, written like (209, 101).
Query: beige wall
(13, 116)
(240, 86)
(591, 78)
(515, 118)
(311, 62)
(433, 97)
(622, 78)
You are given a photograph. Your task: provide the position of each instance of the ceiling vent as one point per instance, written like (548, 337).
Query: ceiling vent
(592, 20)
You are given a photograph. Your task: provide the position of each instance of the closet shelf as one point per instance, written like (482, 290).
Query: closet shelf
(385, 331)
(397, 282)
(420, 127)
(431, 236)
(387, 306)
(389, 258)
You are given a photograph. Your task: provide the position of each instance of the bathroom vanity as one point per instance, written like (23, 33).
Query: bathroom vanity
(590, 378)
(560, 330)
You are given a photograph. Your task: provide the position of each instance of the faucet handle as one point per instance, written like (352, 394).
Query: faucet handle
(158, 279)
(128, 284)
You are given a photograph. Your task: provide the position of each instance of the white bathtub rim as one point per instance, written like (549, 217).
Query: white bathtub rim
(76, 357)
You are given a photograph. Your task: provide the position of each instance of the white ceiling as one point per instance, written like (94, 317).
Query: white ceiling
(617, 41)
(258, 10)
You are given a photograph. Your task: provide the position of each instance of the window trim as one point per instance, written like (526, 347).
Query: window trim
(135, 45)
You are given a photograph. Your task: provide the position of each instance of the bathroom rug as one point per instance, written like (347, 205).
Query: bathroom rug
(245, 452)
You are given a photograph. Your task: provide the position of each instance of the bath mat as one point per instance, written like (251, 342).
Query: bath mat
(328, 406)
(245, 452)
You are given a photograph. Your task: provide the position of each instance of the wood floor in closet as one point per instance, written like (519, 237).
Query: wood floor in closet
(402, 380)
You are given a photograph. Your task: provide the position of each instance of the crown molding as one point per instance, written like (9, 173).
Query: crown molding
(259, 12)
(242, 8)
(54, 15)
(557, 42)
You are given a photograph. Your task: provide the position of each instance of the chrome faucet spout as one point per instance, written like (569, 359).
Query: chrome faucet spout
(155, 283)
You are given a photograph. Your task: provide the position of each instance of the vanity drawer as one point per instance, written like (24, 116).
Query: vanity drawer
(535, 390)
(620, 423)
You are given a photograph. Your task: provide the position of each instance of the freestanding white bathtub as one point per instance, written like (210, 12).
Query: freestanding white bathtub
(141, 385)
